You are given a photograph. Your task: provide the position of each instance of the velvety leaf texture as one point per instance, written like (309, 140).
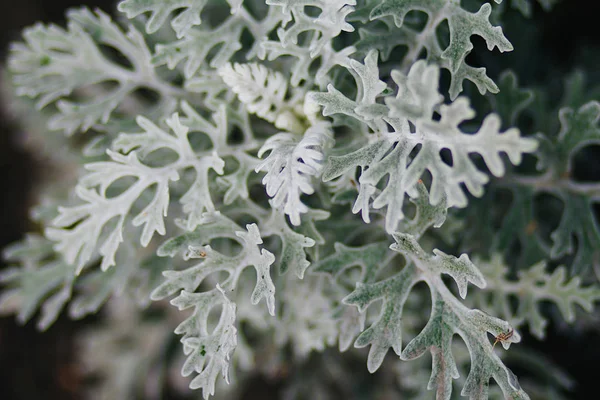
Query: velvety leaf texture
(214, 154)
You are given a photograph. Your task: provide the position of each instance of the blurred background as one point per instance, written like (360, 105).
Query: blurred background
(36, 365)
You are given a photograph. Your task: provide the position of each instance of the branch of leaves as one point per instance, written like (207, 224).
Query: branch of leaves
(522, 221)
(217, 45)
(533, 286)
(448, 316)
(390, 153)
(305, 37)
(53, 64)
(108, 199)
(371, 259)
(208, 353)
(381, 33)
(42, 277)
(44, 280)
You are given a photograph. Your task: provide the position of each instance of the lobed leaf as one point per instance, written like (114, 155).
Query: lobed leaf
(55, 66)
(291, 166)
(532, 287)
(448, 317)
(462, 25)
(393, 156)
(160, 11)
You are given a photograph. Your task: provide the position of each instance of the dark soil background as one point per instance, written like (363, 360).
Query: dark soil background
(37, 365)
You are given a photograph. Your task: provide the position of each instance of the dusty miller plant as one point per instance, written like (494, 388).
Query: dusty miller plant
(285, 175)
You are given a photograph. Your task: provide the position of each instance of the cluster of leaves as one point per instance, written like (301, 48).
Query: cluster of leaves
(231, 149)
(388, 152)
(448, 316)
(449, 53)
(563, 227)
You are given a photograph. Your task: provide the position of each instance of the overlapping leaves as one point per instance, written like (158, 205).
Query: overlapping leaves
(576, 233)
(58, 66)
(533, 286)
(389, 153)
(397, 141)
(447, 53)
(100, 208)
(449, 316)
(160, 11)
(209, 352)
(306, 37)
